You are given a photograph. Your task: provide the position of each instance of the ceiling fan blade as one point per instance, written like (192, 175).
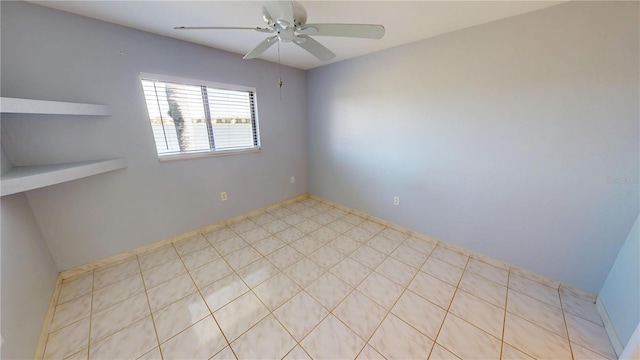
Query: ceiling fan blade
(262, 47)
(259, 29)
(280, 12)
(365, 31)
(315, 48)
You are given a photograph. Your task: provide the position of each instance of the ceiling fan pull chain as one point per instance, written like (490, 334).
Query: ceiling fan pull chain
(280, 83)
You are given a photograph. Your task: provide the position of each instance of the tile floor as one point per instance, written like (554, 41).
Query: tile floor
(307, 280)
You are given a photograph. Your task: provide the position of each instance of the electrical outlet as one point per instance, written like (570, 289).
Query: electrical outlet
(396, 200)
(292, 179)
(223, 196)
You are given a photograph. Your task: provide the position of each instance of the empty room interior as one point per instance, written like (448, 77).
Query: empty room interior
(320, 180)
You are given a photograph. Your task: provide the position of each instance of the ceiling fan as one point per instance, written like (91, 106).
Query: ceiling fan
(287, 19)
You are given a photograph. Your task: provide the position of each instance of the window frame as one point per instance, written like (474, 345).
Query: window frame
(210, 84)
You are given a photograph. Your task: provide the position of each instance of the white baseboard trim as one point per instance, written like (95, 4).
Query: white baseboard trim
(632, 350)
(608, 325)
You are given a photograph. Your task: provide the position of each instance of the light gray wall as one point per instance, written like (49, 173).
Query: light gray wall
(28, 278)
(52, 55)
(620, 293)
(499, 138)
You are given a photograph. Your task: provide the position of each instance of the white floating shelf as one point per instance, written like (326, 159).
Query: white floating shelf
(29, 106)
(24, 178)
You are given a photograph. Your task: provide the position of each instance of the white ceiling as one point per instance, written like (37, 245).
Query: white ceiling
(405, 21)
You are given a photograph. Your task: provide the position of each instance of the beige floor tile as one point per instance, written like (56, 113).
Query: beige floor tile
(578, 306)
(593, 337)
(223, 291)
(76, 287)
(255, 234)
(219, 235)
(157, 257)
(350, 271)
(210, 273)
(129, 343)
(179, 316)
(115, 293)
(484, 289)
(442, 270)
(293, 219)
(112, 274)
(534, 289)
(68, 340)
(266, 340)
(359, 234)
(467, 341)
(284, 257)
(324, 234)
(170, 292)
(71, 312)
(263, 218)
(511, 353)
(409, 256)
(190, 245)
(419, 313)
(162, 273)
(306, 245)
(332, 340)
(420, 245)
(301, 314)
(241, 258)
(276, 291)
(268, 245)
(329, 290)
(257, 272)
(200, 341)
(582, 353)
(369, 353)
(450, 257)
(396, 271)
(368, 256)
(381, 290)
(297, 354)
(395, 339)
(497, 275)
(534, 340)
(307, 226)
(394, 235)
(361, 314)
(326, 257)
(230, 245)
(242, 225)
(152, 355)
(440, 353)
(478, 312)
(290, 235)
(119, 316)
(341, 226)
(276, 226)
(383, 244)
(200, 257)
(304, 272)
(432, 289)
(536, 311)
(372, 226)
(344, 244)
(323, 218)
(238, 316)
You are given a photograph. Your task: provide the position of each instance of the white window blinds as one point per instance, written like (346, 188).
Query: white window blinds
(189, 118)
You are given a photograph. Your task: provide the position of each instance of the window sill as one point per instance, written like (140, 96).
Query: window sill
(203, 154)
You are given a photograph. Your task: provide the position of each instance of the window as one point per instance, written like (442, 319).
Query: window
(191, 117)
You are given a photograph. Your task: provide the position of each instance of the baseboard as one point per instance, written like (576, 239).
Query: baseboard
(124, 256)
(44, 332)
(608, 325)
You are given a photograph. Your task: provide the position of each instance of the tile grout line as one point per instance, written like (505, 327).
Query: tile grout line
(153, 321)
(566, 325)
(198, 290)
(504, 320)
(435, 341)
(394, 304)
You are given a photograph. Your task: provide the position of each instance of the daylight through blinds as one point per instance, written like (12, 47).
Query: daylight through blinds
(197, 118)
